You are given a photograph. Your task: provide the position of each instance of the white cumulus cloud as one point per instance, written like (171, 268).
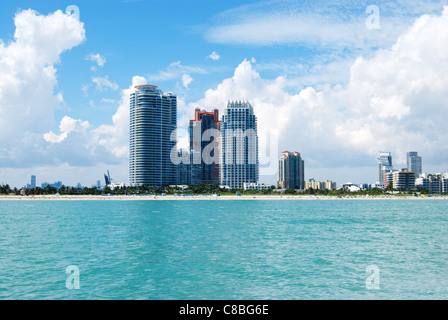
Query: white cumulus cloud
(102, 83)
(66, 126)
(186, 80)
(214, 56)
(115, 137)
(97, 58)
(28, 81)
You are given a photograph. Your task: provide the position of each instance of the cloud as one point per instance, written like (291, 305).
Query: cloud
(114, 138)
(323, 24)
(105, 100)
(85, 90)
(28, 82)
(66, 126)
(175, 70)
(214, 56)
(186, 80)
(102, 83)
(97, 58)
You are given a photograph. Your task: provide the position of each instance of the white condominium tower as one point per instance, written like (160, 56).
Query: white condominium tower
(238, 145)
(153, 119)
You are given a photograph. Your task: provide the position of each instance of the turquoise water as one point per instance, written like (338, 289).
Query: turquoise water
(224, 249)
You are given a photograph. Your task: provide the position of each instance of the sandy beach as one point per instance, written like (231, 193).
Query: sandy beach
(215, 197)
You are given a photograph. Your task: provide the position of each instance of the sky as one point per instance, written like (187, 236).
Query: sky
(337, 81)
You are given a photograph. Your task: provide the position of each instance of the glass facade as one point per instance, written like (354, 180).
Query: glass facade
(153, 121)
(291, 171)
(204, 147)
(238, 145)
(384, 165)
(414, 162)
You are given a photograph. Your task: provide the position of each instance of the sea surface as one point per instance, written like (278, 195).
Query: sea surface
(251, 249)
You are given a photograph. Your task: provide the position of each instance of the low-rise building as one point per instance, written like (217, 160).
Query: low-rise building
(403, 179)
(256, 186)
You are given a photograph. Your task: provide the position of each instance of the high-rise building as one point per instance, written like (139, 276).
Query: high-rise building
(414, 162)
(107, 179)
(153, 121)
(238, 142)
(32, 182)
(204, 139)
(291, 171)
(384, 165)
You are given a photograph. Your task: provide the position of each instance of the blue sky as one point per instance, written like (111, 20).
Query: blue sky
(317, 76)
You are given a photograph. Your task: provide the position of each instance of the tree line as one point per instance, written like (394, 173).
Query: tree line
(193, 189)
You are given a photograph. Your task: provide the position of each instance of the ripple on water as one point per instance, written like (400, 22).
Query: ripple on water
(239, 250)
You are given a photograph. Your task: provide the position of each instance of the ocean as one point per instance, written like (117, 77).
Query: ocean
(251, 249)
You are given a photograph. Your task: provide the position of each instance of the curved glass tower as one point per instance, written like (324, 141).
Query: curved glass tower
(153, 121)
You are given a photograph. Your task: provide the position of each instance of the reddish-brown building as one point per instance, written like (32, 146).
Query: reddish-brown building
(204, 147)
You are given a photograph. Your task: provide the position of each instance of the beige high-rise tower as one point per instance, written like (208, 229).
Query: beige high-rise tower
(291, 171)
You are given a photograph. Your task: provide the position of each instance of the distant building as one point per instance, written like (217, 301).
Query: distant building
(153, 122)
(118, 185)
(107, 179)
(445, 183)
(313, 184)
(364, 186)
(329, 185)
(204, 139)
(414, 162)
(384, 165)
(256, 186)
(291, 171)
(403, 179)
(433, 183)
(319, 185)
(436, 184)
(238, 145)
(388, 178)
(98, 184)
(423, 183)
(56, 185)
(351, 187)
(32, 182)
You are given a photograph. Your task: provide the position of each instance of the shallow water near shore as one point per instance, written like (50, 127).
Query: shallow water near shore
(224, 250)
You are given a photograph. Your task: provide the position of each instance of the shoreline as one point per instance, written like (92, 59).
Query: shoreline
(214, 197)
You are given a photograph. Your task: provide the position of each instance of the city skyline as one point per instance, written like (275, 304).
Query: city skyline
(325, 82)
